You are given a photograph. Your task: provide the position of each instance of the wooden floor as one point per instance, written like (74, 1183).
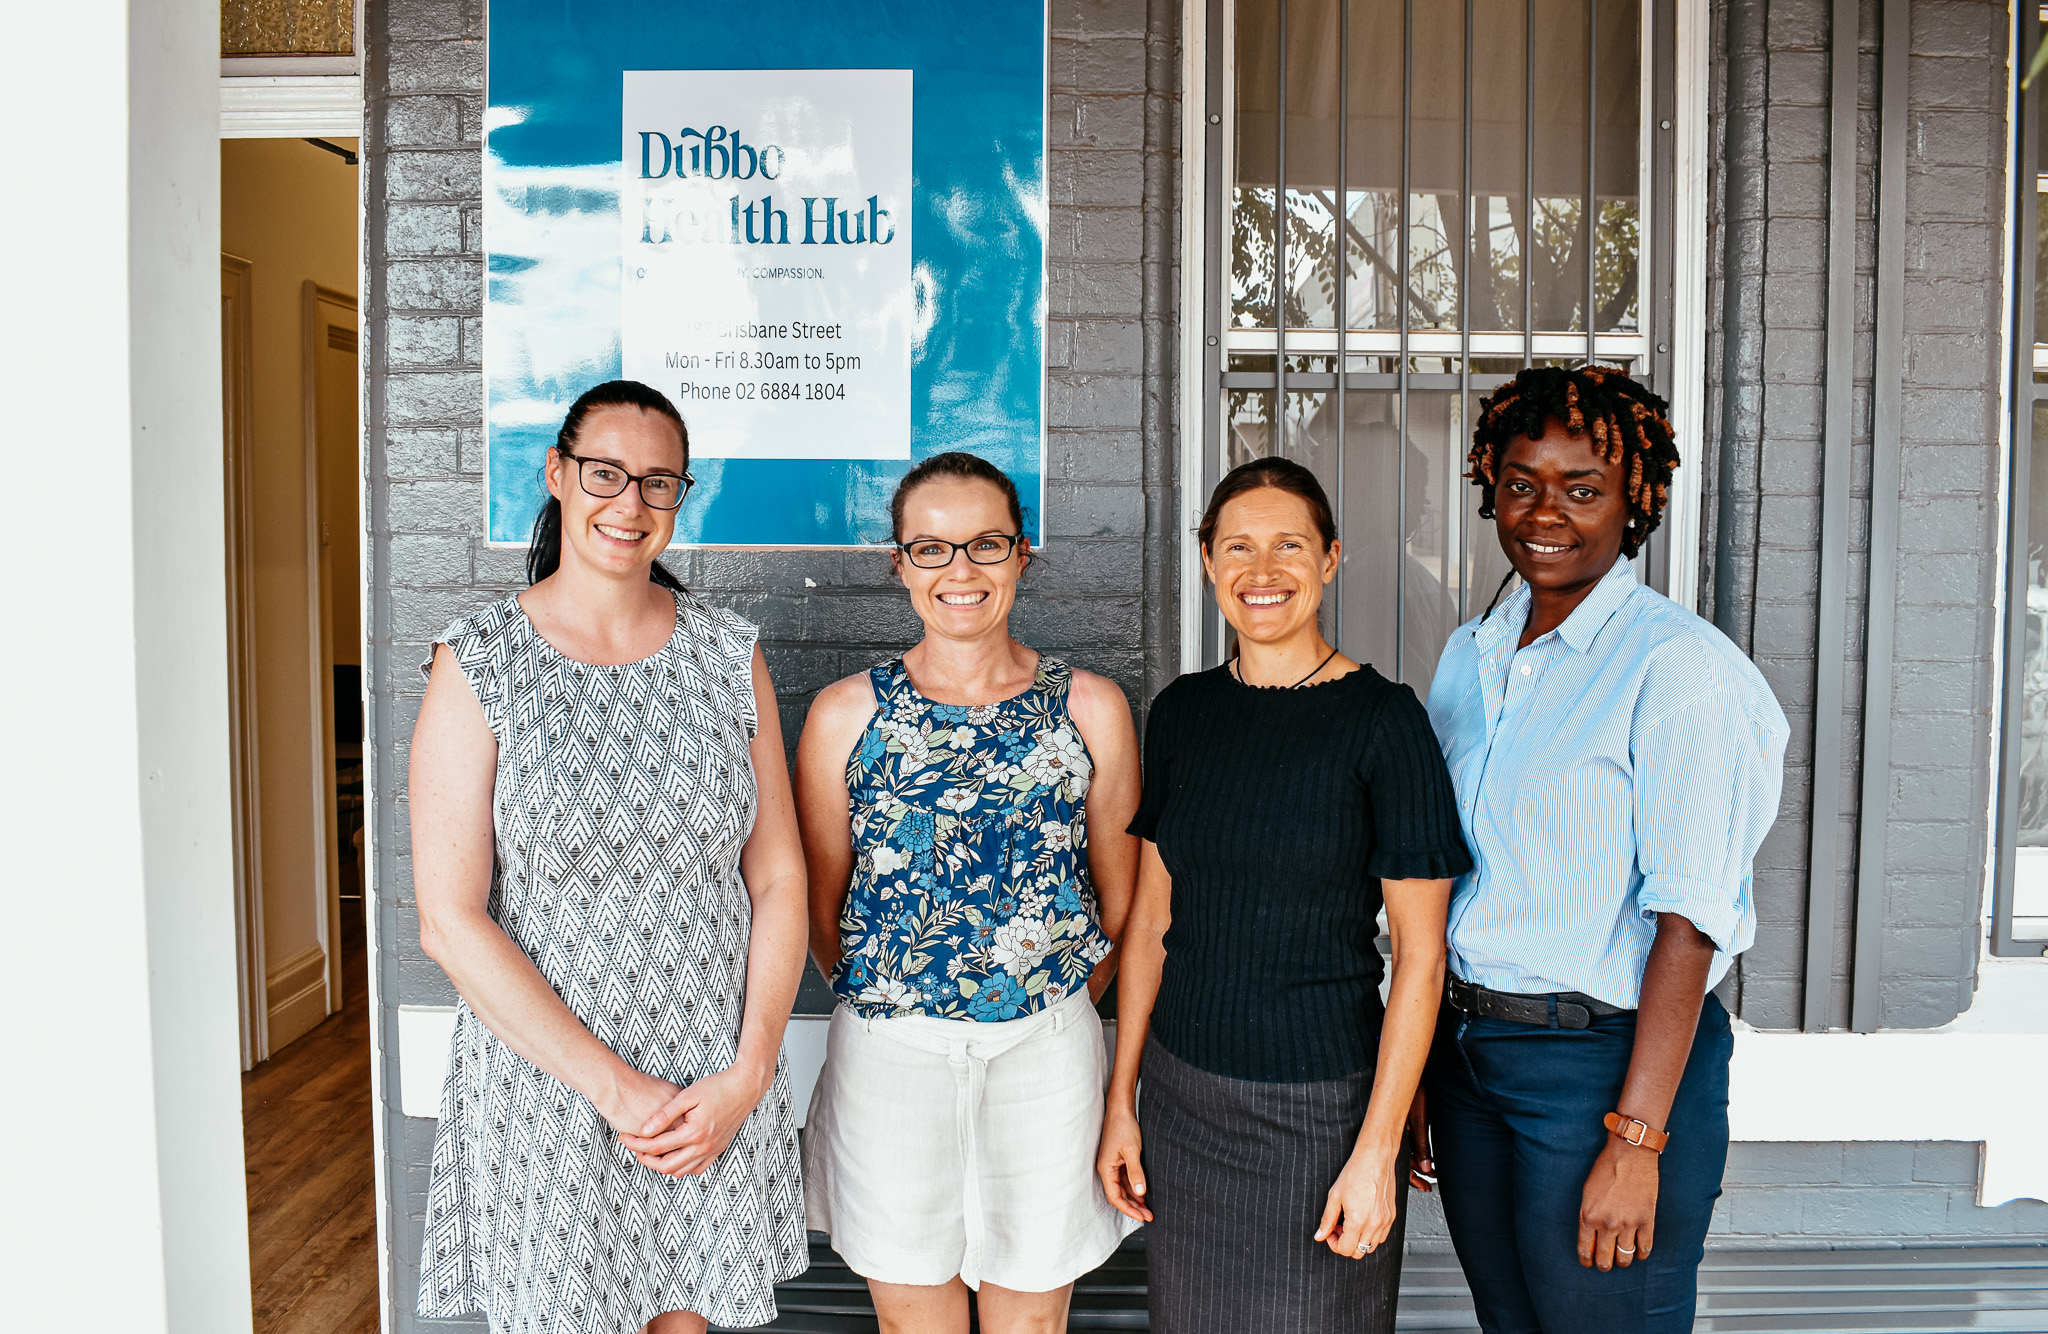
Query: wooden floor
(312, 1198)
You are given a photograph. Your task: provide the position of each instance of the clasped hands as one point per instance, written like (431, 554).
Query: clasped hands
(681, 1131)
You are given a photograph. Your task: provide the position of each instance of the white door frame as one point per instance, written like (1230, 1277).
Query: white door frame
(273, 106)
(237, 278)
(320, 649)
(120, 827)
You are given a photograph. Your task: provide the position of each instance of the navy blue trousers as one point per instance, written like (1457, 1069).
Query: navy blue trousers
(1515, 1118)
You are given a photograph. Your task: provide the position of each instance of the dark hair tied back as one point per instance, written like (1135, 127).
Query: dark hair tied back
(954, 463)
(544, 550)
(1280, 474)
(1625, 421)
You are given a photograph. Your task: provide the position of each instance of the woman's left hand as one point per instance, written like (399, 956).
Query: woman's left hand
(686, 1136)
(1360, 1211)
(1618, 1211)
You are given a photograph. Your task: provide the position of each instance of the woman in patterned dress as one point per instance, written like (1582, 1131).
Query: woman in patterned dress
(606, 860)
(963, 810)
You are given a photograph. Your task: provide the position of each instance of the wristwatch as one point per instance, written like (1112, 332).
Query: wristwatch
(1636, 1132)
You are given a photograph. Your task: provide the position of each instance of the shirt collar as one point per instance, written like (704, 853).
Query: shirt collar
(1580, 628)
(1590, 617)
(1505, 620)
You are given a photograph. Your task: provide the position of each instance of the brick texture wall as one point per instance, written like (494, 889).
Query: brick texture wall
(1106, 596)
(1103, 598)
(1766, 374)
(1825, 1196)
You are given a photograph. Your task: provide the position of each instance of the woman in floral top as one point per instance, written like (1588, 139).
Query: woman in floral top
(963, 810)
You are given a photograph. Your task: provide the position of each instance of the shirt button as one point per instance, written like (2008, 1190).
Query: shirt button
(1525, 669)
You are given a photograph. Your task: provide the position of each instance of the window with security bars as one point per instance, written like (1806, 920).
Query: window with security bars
(2020, 918)
(1409, 201)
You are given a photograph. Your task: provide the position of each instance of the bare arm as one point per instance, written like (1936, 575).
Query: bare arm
(772, 865)
(454, 768)
(1104, 717)
(1618, 1211)
(698, 1123)
(824, 811)
(1144, 963)
(1361, 1206)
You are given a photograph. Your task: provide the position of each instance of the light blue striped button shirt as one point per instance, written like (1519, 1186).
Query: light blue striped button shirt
(1626, 764)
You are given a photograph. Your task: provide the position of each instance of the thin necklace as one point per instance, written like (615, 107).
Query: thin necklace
(1237, 670)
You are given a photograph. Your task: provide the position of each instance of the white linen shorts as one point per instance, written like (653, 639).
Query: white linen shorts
(938, 1147)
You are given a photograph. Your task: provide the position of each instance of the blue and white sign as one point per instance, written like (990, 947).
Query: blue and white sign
(818, 227)
(766, 284)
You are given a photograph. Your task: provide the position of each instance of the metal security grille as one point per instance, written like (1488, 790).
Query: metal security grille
(1409, 202)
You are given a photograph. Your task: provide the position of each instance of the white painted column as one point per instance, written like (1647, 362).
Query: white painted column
(122, 1123)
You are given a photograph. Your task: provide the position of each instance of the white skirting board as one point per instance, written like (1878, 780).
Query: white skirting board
(1988, 1088)
(425, 1031)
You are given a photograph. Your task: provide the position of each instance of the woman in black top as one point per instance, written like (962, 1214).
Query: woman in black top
(1286, 796)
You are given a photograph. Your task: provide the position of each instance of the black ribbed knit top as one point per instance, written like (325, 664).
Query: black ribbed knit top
(1278, 812)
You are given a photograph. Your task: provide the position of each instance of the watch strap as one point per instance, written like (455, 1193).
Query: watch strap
(1636, 1132)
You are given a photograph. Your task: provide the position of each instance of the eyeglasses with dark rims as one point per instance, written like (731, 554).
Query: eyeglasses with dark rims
(935, 553)
(661, 490)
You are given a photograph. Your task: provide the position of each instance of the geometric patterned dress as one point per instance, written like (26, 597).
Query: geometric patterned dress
(623, 797)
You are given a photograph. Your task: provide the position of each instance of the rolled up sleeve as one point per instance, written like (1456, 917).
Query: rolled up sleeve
(1705, 795)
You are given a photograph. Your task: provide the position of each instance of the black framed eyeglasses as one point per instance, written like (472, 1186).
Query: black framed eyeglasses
(935, 553)
(661, 490)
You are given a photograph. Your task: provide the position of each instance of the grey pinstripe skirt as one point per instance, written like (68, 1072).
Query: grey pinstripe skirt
(1236, 1173)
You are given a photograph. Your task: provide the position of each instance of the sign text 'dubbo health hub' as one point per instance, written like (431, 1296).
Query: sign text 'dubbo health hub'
(765, 252)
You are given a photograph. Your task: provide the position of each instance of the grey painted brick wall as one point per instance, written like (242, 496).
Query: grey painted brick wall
(1766, 387)
(1106, 597)
(1825, 1196)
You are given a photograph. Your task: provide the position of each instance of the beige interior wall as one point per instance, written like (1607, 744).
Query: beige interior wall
(289, 208)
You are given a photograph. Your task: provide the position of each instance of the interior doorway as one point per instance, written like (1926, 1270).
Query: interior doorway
(291, 478)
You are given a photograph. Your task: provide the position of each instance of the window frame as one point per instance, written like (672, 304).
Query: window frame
(1673, 161)
(2025, 357)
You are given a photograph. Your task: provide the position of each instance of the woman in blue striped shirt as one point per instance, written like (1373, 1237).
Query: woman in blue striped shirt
(1617, 763)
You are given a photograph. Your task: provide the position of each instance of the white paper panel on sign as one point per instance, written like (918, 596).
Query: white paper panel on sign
(765, 247)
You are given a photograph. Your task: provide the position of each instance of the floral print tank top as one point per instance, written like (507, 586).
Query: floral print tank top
(970, 897)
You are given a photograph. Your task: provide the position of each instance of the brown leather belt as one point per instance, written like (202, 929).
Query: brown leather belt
(1560, 1009)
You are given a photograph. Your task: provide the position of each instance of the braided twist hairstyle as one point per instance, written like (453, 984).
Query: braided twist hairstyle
(1624, 419)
